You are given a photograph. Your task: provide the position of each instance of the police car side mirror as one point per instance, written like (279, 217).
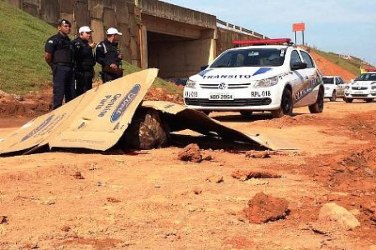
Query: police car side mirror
(298, 65)
(204, 67)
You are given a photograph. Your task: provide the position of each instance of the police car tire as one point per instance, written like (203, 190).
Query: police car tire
(348, 100)
(286, 105)
(333, 97)
(318, 106)
(246, 113)
(368, 100)
(147, 130)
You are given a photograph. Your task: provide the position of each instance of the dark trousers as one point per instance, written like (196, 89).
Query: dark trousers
(63, 85)
(84, 81)
(107, 77)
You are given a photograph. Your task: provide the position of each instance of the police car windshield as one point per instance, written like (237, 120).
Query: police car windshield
(255, 57)
(367, 77)
(328, 80)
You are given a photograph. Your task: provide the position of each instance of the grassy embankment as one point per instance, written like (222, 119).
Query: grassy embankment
(22, 66)
(352, 65)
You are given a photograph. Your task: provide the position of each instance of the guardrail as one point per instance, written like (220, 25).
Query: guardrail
(229, 26)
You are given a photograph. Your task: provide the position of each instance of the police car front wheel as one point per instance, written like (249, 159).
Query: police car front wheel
(286, 105)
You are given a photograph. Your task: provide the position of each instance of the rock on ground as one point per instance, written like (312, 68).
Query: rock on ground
(334, 216)
(263, 208)
(146, 131)
(191, 153)
(244, 175)
(258, 154)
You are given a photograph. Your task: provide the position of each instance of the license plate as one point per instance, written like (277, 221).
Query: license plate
(358, 92)
(190, 94)
(221, 96)
(258, 94)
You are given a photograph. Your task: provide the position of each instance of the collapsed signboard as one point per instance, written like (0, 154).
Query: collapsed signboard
(97, 119)
(180, 118)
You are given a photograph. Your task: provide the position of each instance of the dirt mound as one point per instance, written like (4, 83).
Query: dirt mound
(362, 159)
(263, 208)
(159, 94)
(30, 105)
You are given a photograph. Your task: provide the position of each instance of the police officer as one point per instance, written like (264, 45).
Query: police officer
(108, 55)
(59, 55)
(84, 60)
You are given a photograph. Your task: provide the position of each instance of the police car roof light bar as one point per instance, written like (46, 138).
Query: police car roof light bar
(276, 41)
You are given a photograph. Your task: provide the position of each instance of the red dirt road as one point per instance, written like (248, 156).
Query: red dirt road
(150, 199)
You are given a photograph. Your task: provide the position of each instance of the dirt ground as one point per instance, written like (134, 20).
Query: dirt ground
(151, 199)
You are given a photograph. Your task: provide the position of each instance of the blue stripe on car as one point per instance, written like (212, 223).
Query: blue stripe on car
(262, 71)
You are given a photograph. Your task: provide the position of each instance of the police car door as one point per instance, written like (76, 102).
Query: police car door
(297, 77)
(309, 89)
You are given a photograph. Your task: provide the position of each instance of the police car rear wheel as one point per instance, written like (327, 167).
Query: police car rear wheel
(286, 105)
(368, 100)
(318, 106)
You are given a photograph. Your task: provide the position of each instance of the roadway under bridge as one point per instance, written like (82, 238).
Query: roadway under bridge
(174, 39)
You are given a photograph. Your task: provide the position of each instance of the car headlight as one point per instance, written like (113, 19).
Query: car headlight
(268, 82)
(373, 85)
(190, 84)
(347, 87)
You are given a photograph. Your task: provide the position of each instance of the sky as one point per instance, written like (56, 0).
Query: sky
(343, 26)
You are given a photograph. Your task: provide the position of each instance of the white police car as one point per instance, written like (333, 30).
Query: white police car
(363, 87)
(271, 75)
(334, 87)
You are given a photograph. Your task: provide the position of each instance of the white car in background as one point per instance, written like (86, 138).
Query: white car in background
(273, 76)
(363, 87)
(334, 87)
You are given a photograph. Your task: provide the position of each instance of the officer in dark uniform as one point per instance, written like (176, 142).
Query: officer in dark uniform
(108, 55)
(59, 55)
(84, 60)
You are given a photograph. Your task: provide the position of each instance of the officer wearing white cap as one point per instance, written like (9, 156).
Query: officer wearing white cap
(84, 60)
(59, 56)
(108, 55)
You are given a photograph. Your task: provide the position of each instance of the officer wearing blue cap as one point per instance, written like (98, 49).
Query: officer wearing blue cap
(59, 56)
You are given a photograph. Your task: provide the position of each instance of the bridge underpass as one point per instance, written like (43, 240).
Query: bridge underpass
(177, 48)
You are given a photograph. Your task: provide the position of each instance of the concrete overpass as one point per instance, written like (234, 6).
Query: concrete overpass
(174, 39)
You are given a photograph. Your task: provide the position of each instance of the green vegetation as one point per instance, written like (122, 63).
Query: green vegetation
(22, 65)
(22, 37)
(351, 64)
